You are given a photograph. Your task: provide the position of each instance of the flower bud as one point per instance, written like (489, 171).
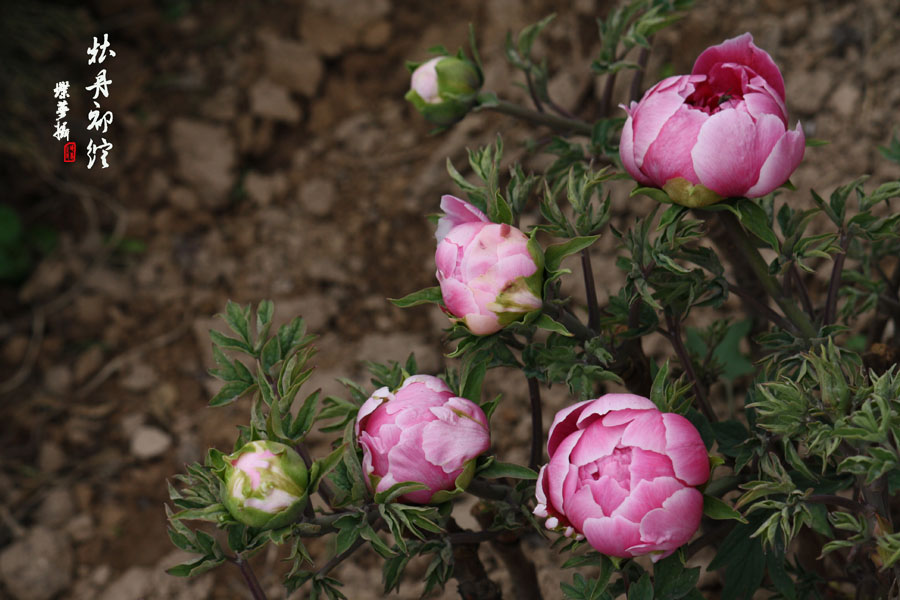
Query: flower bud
(490, 274)
(444, 88)
(720, 131)
(623, 474)
(421, 433)
(264, 484)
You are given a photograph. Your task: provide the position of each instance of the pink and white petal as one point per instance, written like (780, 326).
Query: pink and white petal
(743, 51)
(435, 384)
(482, 324)
(375, 400)
(450, 441)
(580, 506)
(564, 424)
(611, 402)
(669, 156)
(466, 407)
(559, 469)
(649, 118)
(626, 152)
(607, 493)
(724, 155)
(458, 298)
(647, 496)
(675, 523)
(781, 162)
(596, 442)
(617, 418)
(407, 463)
(647, 466)
(456, 212)
(512, 267)
(447, 258)
(685, 448)
(646, 431)
(612, 535)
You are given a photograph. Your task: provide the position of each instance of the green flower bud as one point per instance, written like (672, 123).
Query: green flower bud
(264, 484)
(444, 88)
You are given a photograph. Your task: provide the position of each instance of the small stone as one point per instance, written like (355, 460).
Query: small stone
(38, 566)
(139, 378)
(318, 196)
(57, 508)
(845, 100)
(206, 157)
(184, 198)
(58, 379)
(130, 423)
(81, 529)
(222, 106)
(149, 442)
(263, 189)
(377, 35)
(44, 281)
(87, 363)
(51, 458)
(272, 101)
(157, 185)
(292, 64)
(807, 91)
(136, 582)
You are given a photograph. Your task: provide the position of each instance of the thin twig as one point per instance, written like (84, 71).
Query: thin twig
(835, 283)
(801, 288)
(250, 578)
(848, 503)
(760, 308)
(336, 560)
(537, 424)
(606, 99)
(569, 321)
(639, 75)
(31, 354)
(590, 290)
(532, 92)
(324, 489)
(561, 124)
(674, 335)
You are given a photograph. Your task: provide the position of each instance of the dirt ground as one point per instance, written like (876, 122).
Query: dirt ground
(264, 150)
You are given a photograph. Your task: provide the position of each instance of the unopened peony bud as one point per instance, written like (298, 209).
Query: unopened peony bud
(265, 484)
(720, 131)
(490, 274)
(421, 433)
(444, 88)
(623, 474)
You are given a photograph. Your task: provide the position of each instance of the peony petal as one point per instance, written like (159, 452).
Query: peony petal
(580, 506)
(648, 466)
(611, 402)
(669, 156)
(375, 400)
(612, 535)
(781, 162)
(624, 416)
(672, 525)
(458, 298)
(743, 51)
(626, 152)
(646, 431)
(447, 258)
(647, 496)
(450, 441)
(596, 442)
(651, 114)
(608, 494)
(559, 469)
(725, 154)
(685, 448)
(483, 324)
(564, 424)
(456, 212)
(435, 384)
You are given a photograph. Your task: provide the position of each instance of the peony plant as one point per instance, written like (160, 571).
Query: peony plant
(764, 434)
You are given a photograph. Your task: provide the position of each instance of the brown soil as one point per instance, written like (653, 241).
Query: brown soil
(263, 150)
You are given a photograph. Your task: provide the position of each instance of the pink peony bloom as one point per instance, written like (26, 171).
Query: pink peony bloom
(421, 433)
(490, 274)
(720, 131)
(622, 474)
(424, 81)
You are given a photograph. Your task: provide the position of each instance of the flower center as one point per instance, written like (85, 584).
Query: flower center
(616, 466)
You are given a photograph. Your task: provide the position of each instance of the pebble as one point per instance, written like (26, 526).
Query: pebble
(318, 196)
(206, 157)
(57, 507)
(51, 458)
(38, 566)
(272, 101)
(149, 442)
(292, 64)
(139, 378)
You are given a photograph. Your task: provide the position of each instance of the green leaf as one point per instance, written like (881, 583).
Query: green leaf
(230, 392)
(270, 355)
(655, 193)
(545, 321)
(554, 254)
(237, 318)
(428, 295)
(497, 469)
(716, 508)
(671, 581)
(195, 568)
(324, 466)
(642, 589)
(397, 490)
(472, 376)
(756, 221)
(229, 343)
(743, 559)
(10, 225)
(264, 313)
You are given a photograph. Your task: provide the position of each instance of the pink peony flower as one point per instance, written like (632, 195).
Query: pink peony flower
(720, 131)
(622, 474)
(490, 274)
(445, 88)
(422, 433)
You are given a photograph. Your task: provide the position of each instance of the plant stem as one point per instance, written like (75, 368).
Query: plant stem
(521, 570)
(335, 561)
(570, 321)
(249, 578)
(531, 92)
(556, 122)
(761, 270)
(759, 307)
(684, 357)
(801, 289)
(835, 500)
(469, 571)
(639, 74)
(590, 290)
(537, 424)
(835, 284)
(606, 100)
(324, 489)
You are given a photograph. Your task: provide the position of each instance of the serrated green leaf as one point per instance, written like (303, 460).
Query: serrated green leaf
(497, 469)
(716, 508)
(554, 254)
(230, 392)
(430, 295)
